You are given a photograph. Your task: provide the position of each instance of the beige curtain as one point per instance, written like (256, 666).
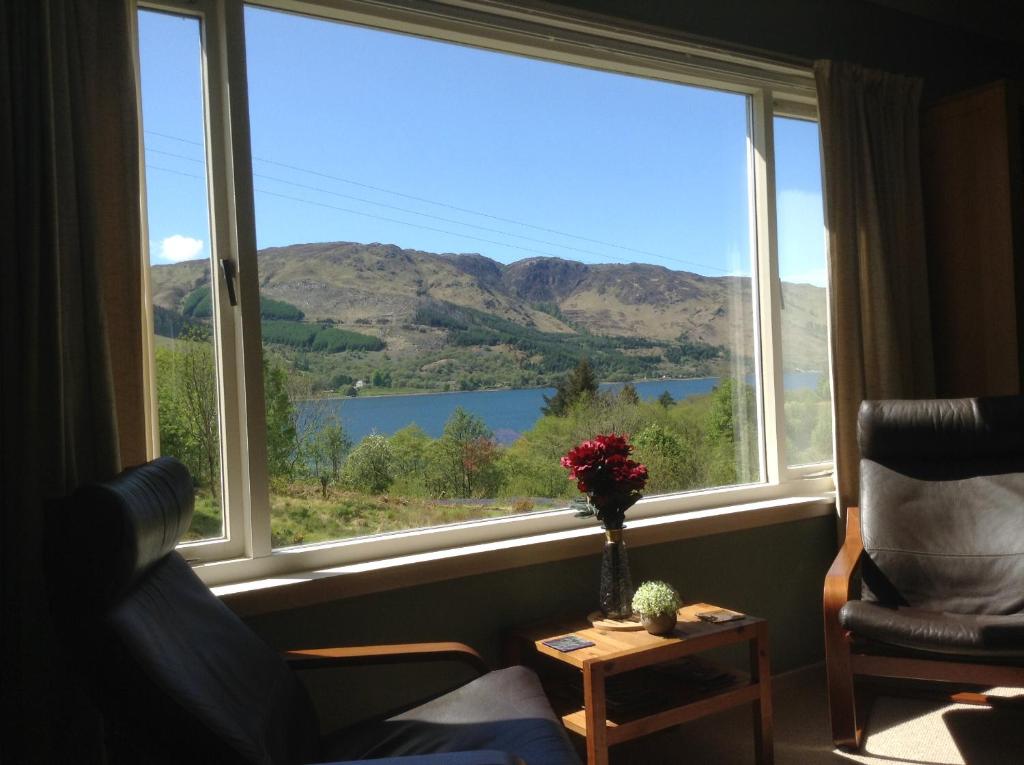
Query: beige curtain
(878, 275)
(70, 366)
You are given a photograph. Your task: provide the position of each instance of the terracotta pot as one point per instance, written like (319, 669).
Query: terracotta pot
(658, 624)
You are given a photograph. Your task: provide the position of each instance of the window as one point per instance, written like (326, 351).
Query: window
(470, 248)
(180, 257)
(804, 329)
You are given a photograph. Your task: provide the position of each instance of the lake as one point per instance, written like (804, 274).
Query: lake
(507, 412)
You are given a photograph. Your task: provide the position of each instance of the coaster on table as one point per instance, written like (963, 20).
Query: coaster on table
(602, 622)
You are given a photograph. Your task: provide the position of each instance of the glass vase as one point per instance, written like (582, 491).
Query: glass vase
(616, 583)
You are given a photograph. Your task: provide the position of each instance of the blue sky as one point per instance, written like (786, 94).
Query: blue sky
(361, 135)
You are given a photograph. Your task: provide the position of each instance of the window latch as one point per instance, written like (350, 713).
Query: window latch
(228, 266)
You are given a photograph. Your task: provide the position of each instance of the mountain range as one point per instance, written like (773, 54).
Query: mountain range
(383, 290)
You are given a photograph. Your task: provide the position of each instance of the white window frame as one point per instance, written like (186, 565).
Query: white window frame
(774, 89)
(244, 495)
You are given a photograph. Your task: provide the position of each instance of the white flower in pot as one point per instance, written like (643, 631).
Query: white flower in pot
(657, 603)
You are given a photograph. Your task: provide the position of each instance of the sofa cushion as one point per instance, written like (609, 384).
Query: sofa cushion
(505, 710)
(968, 635)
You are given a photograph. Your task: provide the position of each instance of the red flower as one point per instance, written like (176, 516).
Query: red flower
(602, 469)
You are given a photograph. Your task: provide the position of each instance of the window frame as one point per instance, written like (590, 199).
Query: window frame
(240, 453)
(772, 88)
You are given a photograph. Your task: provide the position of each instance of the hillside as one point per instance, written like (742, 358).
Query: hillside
(537, 314)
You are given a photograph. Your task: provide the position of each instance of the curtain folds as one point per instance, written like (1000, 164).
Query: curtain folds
(70, 302)
(878, 274)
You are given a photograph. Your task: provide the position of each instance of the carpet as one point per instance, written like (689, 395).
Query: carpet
(900, 731)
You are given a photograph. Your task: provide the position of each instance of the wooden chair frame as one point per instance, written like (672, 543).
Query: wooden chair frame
(403, 653)
(845, 660)
(384, 655)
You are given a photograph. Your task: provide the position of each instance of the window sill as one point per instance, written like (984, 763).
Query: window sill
(282, 592)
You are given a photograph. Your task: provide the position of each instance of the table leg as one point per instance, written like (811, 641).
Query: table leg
(511, 651)
(760, 673)
(596, 710)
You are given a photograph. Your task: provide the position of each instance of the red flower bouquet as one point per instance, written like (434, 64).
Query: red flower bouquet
(603, 470)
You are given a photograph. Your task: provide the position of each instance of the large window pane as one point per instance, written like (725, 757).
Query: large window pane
(180, 256)
(449, 236)
(802, 268)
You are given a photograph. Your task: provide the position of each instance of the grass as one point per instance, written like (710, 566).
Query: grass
(300, 514)
(207, 520)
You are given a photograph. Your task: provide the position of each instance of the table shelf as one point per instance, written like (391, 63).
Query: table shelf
(629, 727)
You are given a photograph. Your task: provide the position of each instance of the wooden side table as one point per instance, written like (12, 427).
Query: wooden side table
(617, 653)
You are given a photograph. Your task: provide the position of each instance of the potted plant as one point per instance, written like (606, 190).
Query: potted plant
(657, 603)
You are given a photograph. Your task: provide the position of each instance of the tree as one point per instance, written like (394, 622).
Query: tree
(370, 466)
(671, 458)
(666, 400)
(409, 447)
(628, 394)
(463, 462)
(187, 407)
(282, 422)
(578, 384)
(730, 434)
(331, 444)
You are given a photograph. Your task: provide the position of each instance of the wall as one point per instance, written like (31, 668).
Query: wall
(949, 59)
(772, 571)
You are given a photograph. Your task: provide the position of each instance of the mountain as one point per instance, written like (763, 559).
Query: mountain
(387, 290)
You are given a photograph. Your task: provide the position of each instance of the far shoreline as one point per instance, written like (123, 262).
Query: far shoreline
(503, 389)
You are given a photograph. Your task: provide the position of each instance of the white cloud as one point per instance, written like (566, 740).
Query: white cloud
(177, 248)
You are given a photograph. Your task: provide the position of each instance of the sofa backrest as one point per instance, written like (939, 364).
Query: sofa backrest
(942, 503)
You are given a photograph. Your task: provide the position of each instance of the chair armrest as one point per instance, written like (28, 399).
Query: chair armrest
(481, 757)
(403, 653)
(839, 579)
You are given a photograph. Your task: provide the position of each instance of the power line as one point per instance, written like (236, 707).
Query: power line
(369, 215)
(432, 217)
(448, 206)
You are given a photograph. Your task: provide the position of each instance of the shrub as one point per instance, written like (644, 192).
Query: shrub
(370, 466)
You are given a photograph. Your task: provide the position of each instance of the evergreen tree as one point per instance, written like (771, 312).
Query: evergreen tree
(579, 383)
(666, 400)
(628, 394)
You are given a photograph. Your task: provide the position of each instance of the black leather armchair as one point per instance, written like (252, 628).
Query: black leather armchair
(938, 543)
(179, 678)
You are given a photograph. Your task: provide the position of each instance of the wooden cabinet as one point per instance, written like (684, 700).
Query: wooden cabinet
(974, 211)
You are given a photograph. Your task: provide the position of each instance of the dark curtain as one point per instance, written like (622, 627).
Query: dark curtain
(70, 380)
(878, 274)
